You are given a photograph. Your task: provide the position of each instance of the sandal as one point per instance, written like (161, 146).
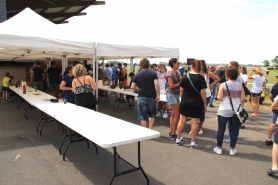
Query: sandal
(254, 115)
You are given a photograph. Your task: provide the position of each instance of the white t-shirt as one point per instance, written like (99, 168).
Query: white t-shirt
(244, 77)
(208, 92)
(258, 84)
(162, 81)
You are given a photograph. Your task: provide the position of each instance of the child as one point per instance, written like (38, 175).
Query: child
(5, 87)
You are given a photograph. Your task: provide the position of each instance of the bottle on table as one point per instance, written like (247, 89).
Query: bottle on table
(24, 89)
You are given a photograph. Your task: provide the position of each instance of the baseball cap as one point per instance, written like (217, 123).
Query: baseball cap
(11, 76)
(212, 68)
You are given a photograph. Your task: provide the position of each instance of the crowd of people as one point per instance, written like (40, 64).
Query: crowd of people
(188, 95)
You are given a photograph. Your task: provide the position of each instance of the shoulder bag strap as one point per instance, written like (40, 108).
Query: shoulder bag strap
(192, 83)
(230, 97)
(78, 81)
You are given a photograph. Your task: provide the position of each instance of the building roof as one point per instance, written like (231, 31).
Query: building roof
(57, 11)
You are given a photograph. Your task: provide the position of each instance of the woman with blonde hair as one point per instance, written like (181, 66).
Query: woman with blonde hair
(83, 86)
(193, 101)
(258, 84)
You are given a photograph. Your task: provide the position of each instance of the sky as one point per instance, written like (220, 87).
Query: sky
(217, 31)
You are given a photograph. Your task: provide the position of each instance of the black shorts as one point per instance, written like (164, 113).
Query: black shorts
(5, 88)
(129, 97)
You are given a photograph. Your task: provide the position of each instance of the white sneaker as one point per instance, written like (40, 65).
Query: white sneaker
(217, 150)
(233, 152)
(158, 115)
(165, 115)
(200, 132)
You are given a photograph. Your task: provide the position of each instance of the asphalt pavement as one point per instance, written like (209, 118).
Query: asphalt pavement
(28, 158)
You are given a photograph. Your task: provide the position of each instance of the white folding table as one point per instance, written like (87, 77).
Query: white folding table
(103, 130)
(104, 133)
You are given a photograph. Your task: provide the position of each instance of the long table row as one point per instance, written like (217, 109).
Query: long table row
(98, 128)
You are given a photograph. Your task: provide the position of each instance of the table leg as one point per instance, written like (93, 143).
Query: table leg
(115, 99)
(71, 140)
(19, 103)
(116, 166)
(40, 121)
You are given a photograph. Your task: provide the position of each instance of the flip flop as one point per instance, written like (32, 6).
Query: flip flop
(271, 172)
(254, 115)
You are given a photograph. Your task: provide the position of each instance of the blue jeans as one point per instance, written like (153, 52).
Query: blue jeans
(212, 95)
(234, 131)
(146, 107)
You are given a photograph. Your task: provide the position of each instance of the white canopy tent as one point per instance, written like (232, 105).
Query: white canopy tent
(106, 51)
(116, 51)
(28, 36)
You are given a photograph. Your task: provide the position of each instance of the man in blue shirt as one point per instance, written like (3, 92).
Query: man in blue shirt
(114, 71)
(146, 83)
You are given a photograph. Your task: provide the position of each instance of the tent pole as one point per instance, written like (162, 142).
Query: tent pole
(95, 75)
(131, 64)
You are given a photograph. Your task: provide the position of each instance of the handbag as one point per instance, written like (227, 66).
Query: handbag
(192, 83)
(239, 117)
(246, 90)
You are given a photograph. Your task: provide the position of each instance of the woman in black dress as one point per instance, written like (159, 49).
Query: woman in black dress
(83, 86)
(193, 101)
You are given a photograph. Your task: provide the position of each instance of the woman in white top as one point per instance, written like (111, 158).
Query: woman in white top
(161, 76)
(207, 74)
(243, 74)
(225, 112)
(258, 84)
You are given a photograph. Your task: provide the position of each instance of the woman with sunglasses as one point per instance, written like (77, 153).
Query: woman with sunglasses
(173, 78)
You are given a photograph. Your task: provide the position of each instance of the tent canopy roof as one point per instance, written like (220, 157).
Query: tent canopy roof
(28, 36)
(116, 51)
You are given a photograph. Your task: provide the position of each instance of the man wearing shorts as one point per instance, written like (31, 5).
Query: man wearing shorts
(54, 75)
(273, 94)
(37, 76)
(274, 167)
(146, 83)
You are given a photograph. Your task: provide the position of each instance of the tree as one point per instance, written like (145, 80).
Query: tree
(266, 63)
(275, 61)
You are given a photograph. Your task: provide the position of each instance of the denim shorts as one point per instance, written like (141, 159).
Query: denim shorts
(146, 107)
(256, 94)
(274, 116)
(173, 98)
(275, 134)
